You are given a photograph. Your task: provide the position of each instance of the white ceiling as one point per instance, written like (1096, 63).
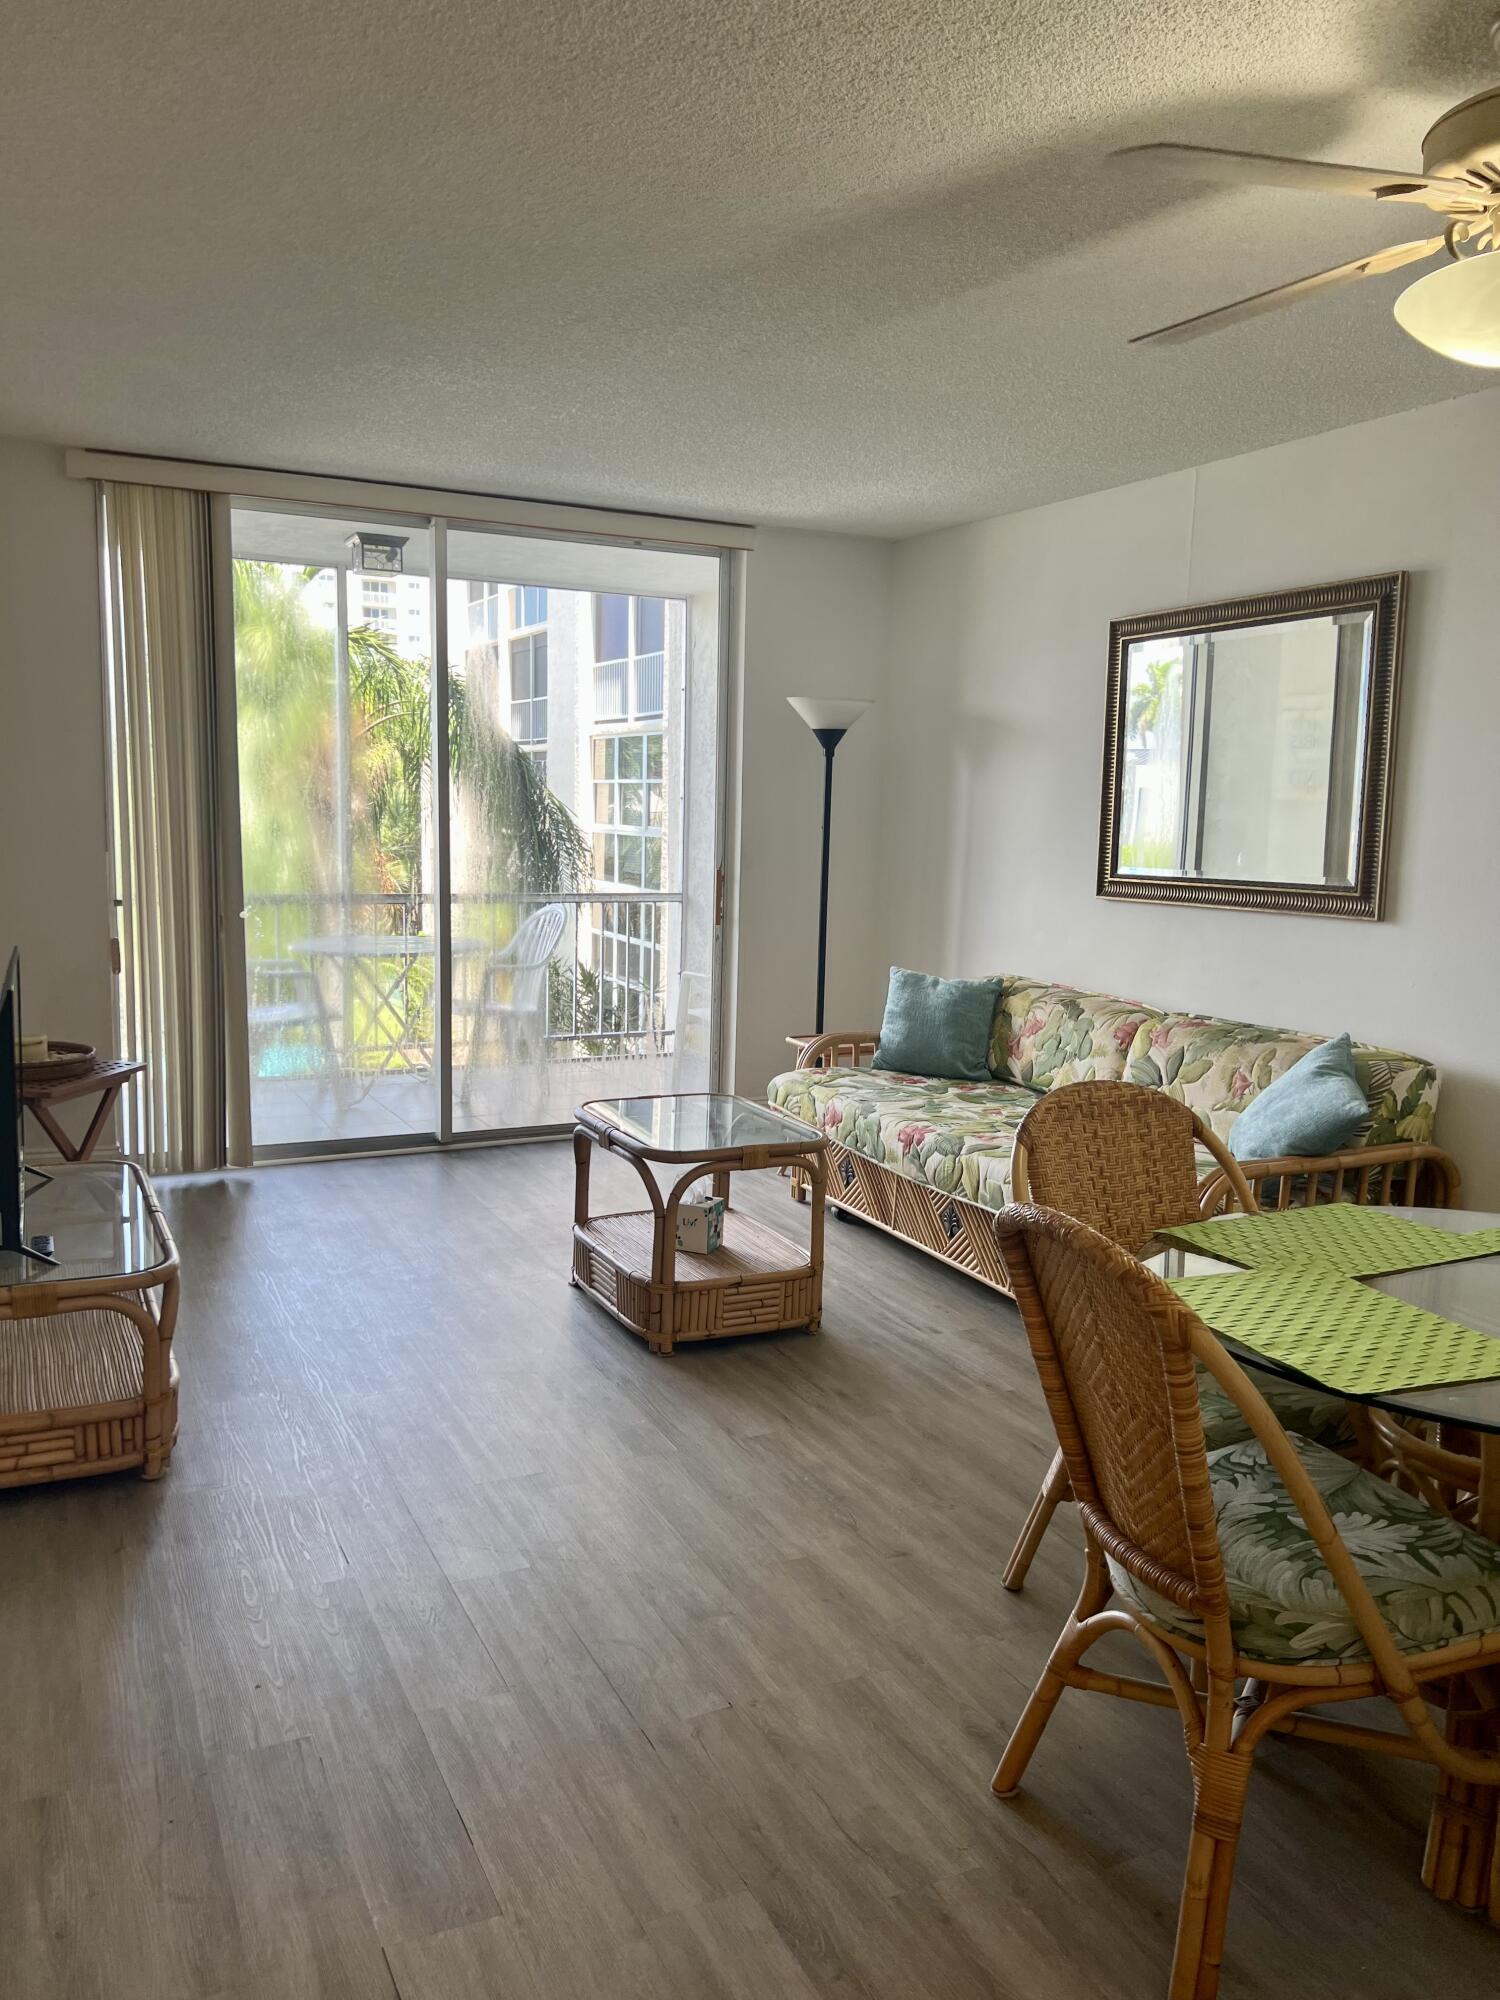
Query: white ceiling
(853, 264)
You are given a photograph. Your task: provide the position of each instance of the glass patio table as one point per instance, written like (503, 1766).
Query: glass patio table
(367, 955)
(757, 1281)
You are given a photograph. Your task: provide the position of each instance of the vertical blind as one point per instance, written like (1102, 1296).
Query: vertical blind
(158, 605)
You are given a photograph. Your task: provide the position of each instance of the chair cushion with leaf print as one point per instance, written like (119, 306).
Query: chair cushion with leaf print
(1307, 1411)
(1433, 1580)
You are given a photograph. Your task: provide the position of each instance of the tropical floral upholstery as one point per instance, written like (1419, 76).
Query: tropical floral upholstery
(956, 1137)
(1213, 1066)
(1216, 1067)
(1298, 1408)
(1402, 1091)
(1433, 1580)
(1045, 1035)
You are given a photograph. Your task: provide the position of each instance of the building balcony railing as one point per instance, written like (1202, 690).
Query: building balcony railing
(630, 690)
(347, 986)
(650, 683)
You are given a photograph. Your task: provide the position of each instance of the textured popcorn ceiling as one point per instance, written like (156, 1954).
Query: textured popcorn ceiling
(847, 265)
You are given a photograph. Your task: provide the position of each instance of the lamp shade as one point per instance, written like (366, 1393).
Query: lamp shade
(1456, 310)
(821, 712)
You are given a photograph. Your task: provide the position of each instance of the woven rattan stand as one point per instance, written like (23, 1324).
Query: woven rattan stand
(759, 1281)
(87, 1379)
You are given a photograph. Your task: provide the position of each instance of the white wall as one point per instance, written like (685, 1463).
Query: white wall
(815, 623)
(995, 725)
(53, 886)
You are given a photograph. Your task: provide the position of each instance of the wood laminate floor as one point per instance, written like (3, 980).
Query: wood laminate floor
(469, 1652)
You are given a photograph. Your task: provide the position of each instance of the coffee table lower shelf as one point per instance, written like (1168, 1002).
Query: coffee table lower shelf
(72, 1399)
(757, 1282)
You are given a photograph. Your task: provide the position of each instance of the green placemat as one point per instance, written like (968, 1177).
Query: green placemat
(1339, 1332)
(1360, 1242)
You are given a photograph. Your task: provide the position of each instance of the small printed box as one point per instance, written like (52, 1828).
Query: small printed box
(700, 1224)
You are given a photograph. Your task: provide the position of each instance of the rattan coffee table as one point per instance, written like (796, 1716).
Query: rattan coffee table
(758, 1281)
(87, 1379)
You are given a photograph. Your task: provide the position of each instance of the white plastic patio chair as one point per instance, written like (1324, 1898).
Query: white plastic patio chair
(512, 997)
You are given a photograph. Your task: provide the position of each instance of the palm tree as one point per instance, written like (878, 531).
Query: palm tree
(1156, 699)
(288, 761)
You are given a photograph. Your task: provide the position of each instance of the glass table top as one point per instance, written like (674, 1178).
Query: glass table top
(1467, 1293)
(100, 1223)
(697, 1124)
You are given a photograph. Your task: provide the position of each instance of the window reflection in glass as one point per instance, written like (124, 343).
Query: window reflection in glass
(1243, 751)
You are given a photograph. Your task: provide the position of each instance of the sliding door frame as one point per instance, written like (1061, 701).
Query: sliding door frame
(442, 818)
(291, 495)
(238, 1135)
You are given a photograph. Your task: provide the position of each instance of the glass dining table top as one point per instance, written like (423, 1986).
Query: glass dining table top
(1467, 1293)
(102, 1224)
(693, 1124)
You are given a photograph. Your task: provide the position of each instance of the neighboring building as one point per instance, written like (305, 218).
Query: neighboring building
(594, 683)
(629, 763)
(397, 607)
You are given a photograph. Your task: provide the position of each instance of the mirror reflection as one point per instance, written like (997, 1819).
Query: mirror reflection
(1243, 750)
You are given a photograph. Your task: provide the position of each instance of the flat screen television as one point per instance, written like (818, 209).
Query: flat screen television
(12, 1160)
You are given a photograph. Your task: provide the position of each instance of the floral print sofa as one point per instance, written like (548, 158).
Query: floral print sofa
(925, 1156)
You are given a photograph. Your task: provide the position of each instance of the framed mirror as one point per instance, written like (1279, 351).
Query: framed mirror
(1248, 749)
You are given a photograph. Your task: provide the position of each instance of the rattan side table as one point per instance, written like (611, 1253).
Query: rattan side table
(758, 1281)
(105, 1076)
(87, 1379)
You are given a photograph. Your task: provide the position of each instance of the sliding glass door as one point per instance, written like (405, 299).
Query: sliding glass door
(583, 809)
(479, 893)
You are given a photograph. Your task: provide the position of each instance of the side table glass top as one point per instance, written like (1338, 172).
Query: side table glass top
(101, 1222)
(690, 1125)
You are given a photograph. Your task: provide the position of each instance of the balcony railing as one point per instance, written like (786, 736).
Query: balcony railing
(612, 691)
(650, 683)
(630, 690)
(347, 987)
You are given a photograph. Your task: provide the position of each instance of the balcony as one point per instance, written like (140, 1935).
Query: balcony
(341, 1013)
(632, 689)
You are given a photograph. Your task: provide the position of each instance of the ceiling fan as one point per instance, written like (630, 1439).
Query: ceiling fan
(1455, 310)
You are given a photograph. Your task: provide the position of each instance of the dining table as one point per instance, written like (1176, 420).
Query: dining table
(1456, 1449)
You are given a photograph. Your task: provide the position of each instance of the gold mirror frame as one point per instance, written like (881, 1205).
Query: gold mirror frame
(1385, 597)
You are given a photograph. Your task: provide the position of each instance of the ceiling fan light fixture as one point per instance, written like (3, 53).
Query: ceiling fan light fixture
(1456, 311)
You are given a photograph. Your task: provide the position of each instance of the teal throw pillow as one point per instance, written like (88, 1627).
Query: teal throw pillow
(1317, 1107)
(938, 1027)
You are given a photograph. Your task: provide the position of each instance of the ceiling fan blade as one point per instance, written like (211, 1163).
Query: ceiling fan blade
(1216, 163)
(1286, 295)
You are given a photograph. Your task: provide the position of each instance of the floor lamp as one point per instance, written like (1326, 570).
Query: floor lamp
(830, 722)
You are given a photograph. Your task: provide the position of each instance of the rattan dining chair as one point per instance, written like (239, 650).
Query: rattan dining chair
(1175, 1545)
(1120, 1157)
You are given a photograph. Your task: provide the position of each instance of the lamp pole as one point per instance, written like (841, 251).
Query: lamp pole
(830, 722)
